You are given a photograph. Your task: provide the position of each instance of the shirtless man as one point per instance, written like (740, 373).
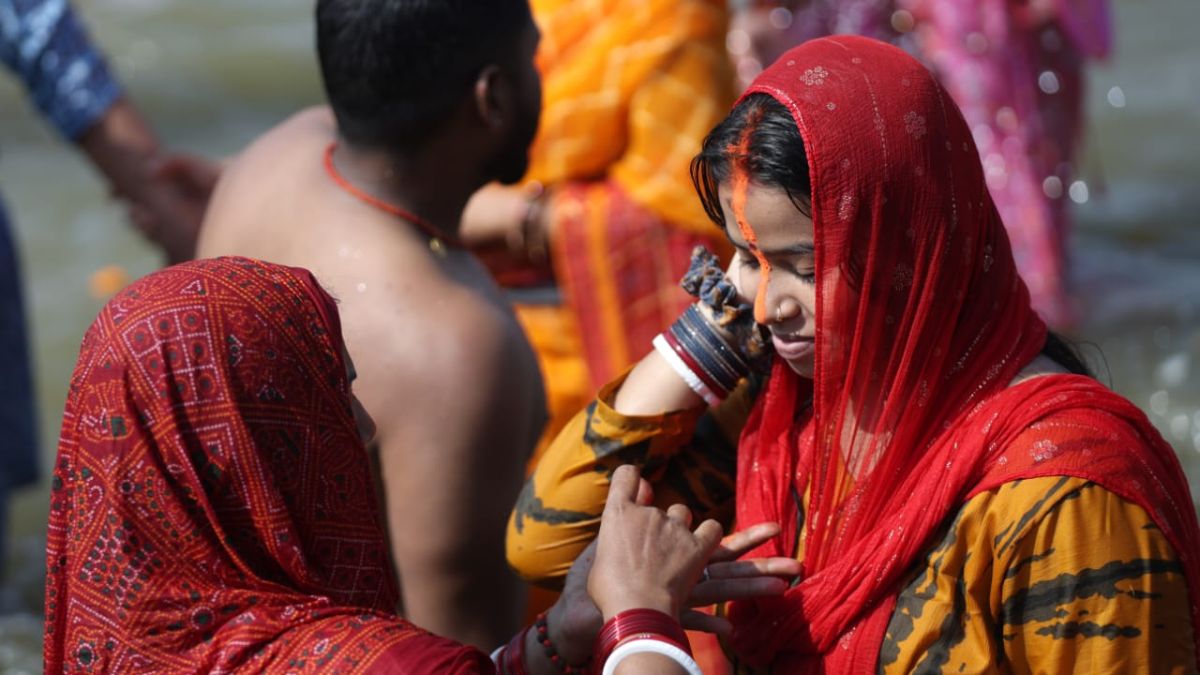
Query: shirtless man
(428, 102)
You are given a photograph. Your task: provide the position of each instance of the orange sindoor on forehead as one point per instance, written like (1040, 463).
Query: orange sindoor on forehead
(741, 187)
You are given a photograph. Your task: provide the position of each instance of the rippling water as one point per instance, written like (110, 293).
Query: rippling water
(1136, 248)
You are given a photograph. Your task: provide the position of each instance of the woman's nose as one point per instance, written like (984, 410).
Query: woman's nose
(784, 309)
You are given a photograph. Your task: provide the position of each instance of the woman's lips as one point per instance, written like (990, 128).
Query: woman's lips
(793, 348)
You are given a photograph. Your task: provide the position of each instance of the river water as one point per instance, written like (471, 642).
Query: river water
(212, 75)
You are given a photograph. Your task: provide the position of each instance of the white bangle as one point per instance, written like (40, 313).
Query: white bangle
(497, 653)
(693, 382)
(650, 645)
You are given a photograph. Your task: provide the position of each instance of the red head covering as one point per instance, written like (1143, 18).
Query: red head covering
(212, 507)
(922, 321)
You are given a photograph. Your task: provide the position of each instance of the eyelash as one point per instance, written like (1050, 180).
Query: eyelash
(750, 262)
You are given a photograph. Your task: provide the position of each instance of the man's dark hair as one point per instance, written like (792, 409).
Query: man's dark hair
(394, 70)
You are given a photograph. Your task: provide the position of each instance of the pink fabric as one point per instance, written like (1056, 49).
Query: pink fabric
(922, 321)
(1015, 69)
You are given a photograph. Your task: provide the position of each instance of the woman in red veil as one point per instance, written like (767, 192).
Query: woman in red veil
(213, 510)
(962, 494)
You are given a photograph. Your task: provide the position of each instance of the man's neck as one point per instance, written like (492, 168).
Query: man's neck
(426, 185)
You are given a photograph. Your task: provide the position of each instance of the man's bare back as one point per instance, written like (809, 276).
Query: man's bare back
(443, 367)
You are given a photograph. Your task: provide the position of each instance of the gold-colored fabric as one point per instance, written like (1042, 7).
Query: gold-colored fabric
(629, 89)
(1049, 575)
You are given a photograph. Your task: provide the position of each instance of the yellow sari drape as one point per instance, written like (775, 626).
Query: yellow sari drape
(630, 88)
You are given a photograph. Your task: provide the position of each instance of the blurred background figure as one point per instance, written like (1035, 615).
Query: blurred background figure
(1015, 69)
(1135, 246)
(44, 45)
(593, 244)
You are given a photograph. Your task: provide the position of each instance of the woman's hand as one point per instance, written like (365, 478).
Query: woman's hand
(721, 300)
(575, 620)
(729, 579)
(491, 215)
(646, 557)
(652, 559)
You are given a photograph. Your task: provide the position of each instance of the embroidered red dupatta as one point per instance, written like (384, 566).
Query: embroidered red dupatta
(922, 321)
(212, 507)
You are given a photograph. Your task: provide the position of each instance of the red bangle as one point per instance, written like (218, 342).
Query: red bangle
(635, 623)
(560, 664)
(512, 660)
(697, 370)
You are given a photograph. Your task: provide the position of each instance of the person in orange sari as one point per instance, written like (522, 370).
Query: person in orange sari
(593, 244)
(963, 495)
(213, 509)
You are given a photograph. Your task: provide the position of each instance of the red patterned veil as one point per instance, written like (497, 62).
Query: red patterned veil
(212, 507)
(922, 322)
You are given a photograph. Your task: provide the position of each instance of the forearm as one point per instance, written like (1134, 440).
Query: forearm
(558, 512)
(653, 388)
(121, 145)
(44, 43)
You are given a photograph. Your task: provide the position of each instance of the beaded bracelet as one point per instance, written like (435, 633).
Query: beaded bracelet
(543, 637)
(638, 623)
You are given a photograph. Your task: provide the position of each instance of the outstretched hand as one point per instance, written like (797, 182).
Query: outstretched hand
(728, 578)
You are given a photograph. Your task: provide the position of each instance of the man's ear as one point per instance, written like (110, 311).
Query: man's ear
(491, 97)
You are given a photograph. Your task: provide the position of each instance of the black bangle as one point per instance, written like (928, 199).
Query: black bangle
(701, 341)
(732, 357)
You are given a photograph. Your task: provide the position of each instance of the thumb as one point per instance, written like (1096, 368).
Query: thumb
(624, 487)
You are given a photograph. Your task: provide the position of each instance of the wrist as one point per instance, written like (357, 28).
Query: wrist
(702, 356)
(655, 600)
(528, 238)
(639, 624)
(567, 645)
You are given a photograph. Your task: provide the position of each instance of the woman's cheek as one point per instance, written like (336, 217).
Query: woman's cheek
(745, 280)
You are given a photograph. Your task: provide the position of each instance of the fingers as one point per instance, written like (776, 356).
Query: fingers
(645, 495)
(744, 569)
(708, 536)
(743, 540)
(705, 623)
(623, 489)
(724, 590)
(680, 514)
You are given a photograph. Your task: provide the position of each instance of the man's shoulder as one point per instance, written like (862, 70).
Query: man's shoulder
(450, 319)
(299, 134)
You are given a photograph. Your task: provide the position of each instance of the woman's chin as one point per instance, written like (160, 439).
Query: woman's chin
(802, 367)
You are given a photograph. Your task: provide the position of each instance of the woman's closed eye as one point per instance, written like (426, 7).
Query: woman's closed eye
(801, 269)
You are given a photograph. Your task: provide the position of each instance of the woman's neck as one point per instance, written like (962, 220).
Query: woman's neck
(1042, 365)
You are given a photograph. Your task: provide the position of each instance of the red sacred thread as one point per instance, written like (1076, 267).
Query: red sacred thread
(420, 223)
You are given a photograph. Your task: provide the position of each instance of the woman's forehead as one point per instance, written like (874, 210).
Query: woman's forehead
(774, 217)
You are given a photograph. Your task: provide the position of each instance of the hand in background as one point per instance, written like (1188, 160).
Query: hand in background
(171, 208)
(166, 193)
